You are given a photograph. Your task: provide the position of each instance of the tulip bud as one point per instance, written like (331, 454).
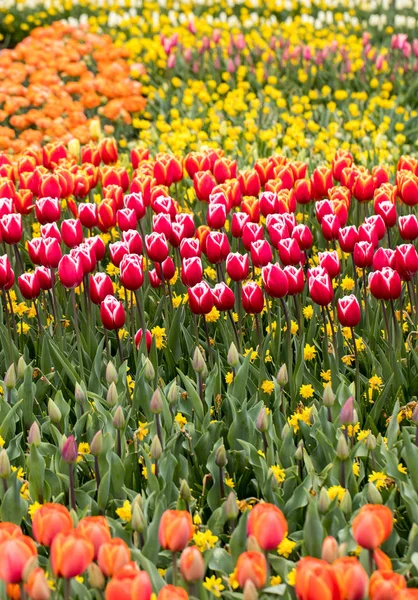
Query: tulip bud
(173, 393)
(69, 451)
(30, 566)
(342, 448)
(95, 129)
(185, 492)
(156, 448)
(149, 371)
(282, 376)
(373, 494)
(299, 451)
(137, 501)
(112, 394)
(252, 544)
(119, 419)
(324, 501)
(156, 404)
(347, 412)
(198, 362)
(34, 436)
(192, 565)
(329, 551)
(230, 507)
(286, 429)
(4, 464)
(96, 446)
(10, 377)
(328, 397)
(274, 484)
(346, 505)
(79, 393)
(138, 520)
(220, 456)
(233, 356)
(111, 373)
(54, 412)
(250, 591)
(74, 518)
(262, 423)
(96, 577)
(371, 442)
(21, 366)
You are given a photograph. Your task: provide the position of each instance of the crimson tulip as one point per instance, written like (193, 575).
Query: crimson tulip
(295, 280)
(217, 247)
(408, 227)
(237, 266)
(200, 298)
(70, 271)
(330, 262)
(223, 297)
(251, 232)
(289, 251)
(29, 285)
(190, 247)
(275, 280)
(131, 272)
(348, 238)
(148, 339)
(320, 286)
(261, 253)
(238, 221)
(216, 216)
(133, 240)
(100, 286)
(156, 246)
(87, 214)
(348, 309)
(71, 232)
(112, 313)
(303, 235)
(135, 202)
(117, 251)
(406, 258)
(47, 210)
(252, 298)
(191, 271)
(363, 254)
(385, 284)
(11, 228)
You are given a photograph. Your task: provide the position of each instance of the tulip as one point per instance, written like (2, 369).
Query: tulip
(100, 286)
(316, 576)
(36, 251)
(252, 566)
(29, 285)
(267, 524)
(289, 251)
(112, 313)
(200, 298)
(217, 247)
(349, 313)
(251, 232)
(50, 253)
(368, 232)
(261, 253)
(330, 262)
(15, 554)
(321, 181)
(97, 530)
(385, 585)
(363, 254)
(372, 525)
(203, 183)
(11, 228)
(352, 577)
(330, 227)
(108, 150)
(384, 257)
(295, 280)
(238, 221)
(329, 551)
(171, 592)
(195, 162)
(223, 297)
(341, 160)
(167, 169)
(5, 270)
(406, 258)
(382, 560)
(44, 278)
(70, 271)
(192, 565)
(71, 231)
(156, 246)
(120, 587)
(320, 286)
(407, 594)
(175, 530)
(71, 553)
(131, 273)
(275, 281)
(224, 169)
(191, 271)
(387, 211)
(347, 238)
(216, 216)
(408, 187)
(148, 339)
(303, 235)
(252, 298)
(268, 203)
(190, 247)
(112, 556)
(237, 266)
(37, 585)
(9, 531)
(50, 520)
(408, 227)
(385, 284)
(47, 210)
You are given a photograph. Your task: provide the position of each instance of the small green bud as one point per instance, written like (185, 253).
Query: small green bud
(119, 418)
(262, 422)
(252, 544)
(34, 435)
(185, 492)
(149, 371)
(21, 366)
(112, 395)
(138, 520)
(198, 362)
(111, 373)
(371, 442)
(286, 429)
(173, 393)
(250, 591)
(342, 448)
(373, 494)
(4, 464)
(323, 501)
(233, 356)
(230, 507)
(96, 446)
(220, 456)
(328, 397)
(95, 576)
(79, 393)
(10, 377)
(299, 451)
(54, 412)
(156, 404)
(282, 375)
(156, 448)
(74, 517)
(346, 504)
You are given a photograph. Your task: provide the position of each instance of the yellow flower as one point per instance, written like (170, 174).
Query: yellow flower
(279, 473)
(162, 572)
(210, 273)
(180, 419)
(300, 415)
(229, 377)
(267, 386)
(356, 469)
(79, 578)
(402, 469)
(125, 512)
(291, 577)
(254, 354)
(275, 580)
(214, 584)
(196, 519)
(308, 312)
(336, 491)
(159, 335)
(326, 375)
(213, 316)
(20, 472)
(33, 508)
(379, 478)
(205, 540)
(360, 345)
(348, 360)
(306, 391)
(286, 547)
(347, 284)
(309, 352)
(24, 491)
(232, 580)
(375, 382)
(363, 435)
(22, 328)
(2, 442)
(142, 430)
(83, 448)
(230, 482)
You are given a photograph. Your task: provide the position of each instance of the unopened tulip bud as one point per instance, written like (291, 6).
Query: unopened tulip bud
(173, 393)
(95, 129)
(299, 451)
(111, 373)
(119, 419)
(137, 501)
(328, 396)
(69, 451)
(192, 565)
(96, 577)
(30, 566)
(112, 395)
(250, 591)
(156, 448)
(74, 517)
(79, 393)
(4, 464)
(10, 377)
(252, 544)
(262, 423)
(324, 501)
(138, 520)
(233, 356)
(329, 551)
(274, 484)
(371, 442)
(230, 507)
(347, 412)
(156, 404)
(74, 147)
(185, 492)
(313, 414)
(342, 448)
(282, 376)
(34, 435)
(373, 494)
(96, 446)
(346, 504)
(149, 371)
(21, 366)
(198, 362)
(220, 456)
(286, 429)
(54, 412)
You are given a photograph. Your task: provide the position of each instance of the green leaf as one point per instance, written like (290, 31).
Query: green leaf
(313, 532)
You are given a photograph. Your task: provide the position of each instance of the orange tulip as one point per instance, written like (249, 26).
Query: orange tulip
(382, 560)
(9, 531)
(384, 585)
(176, 530)
(316, 580)
(48, 521)
(141, 587)
(37, 586)
(252, 566)
(192, 565)
(13, 591)
(120, 586)
(14, 556)
(171, 592)
(267, 524)
(407, 594)
(329, 551)
(97, 530)
(70, 554)
(372, 525)
(352, 578)
(112, 556)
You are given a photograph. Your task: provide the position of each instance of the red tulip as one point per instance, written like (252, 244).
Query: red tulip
(251, 232)
(268, 203)
(175, 530)
(131, 272)
(200, 298)
(49, 520)
(249, 182)
(148, 339)
(368, 233)
(275, 281)
(5, 270)
(252, 298)
(303, 235)
(133, 240)
(167, 268)
(191, 271)
(190, 247)
(295, 280)
(348, 237)
(15, 554)
(72, 233)
(384, 257)
(372, 525)
(216, 216)
(267, 524)
(223, 297)
(224, 169)
(320, 286)
(406, 258)
(47, 210)
(88, 214)
(385, 284)
(239, 219)
(363, 254)
(70, 271)
(330, 227)
(112, 313)
(156, 246)
(11, 228)
(330, 262)
(289, 251)
(217, 247)
(29, 285)
(261, 253)
(126, 219)
(237, 266)
(408, 227)
(195, 162)
(387, 210)
(321, 181)
(349, 313)
(203, 183)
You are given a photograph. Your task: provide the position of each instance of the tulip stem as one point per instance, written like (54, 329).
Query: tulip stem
(258, 329)
(385, 318)
(371, 563)
(208, 341)
(67, 589)
(324, 319)
(334, 338)
(289, 350)
(158, 427)
(366, 311)
(72, 487)
(6, 314)
(141, 314)
(174, 568)
(357, 365)
(97, 472)
(234, 327)
(77, 333)
(221, 483)
(19, 258)
(119, 347)
(239, 308)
